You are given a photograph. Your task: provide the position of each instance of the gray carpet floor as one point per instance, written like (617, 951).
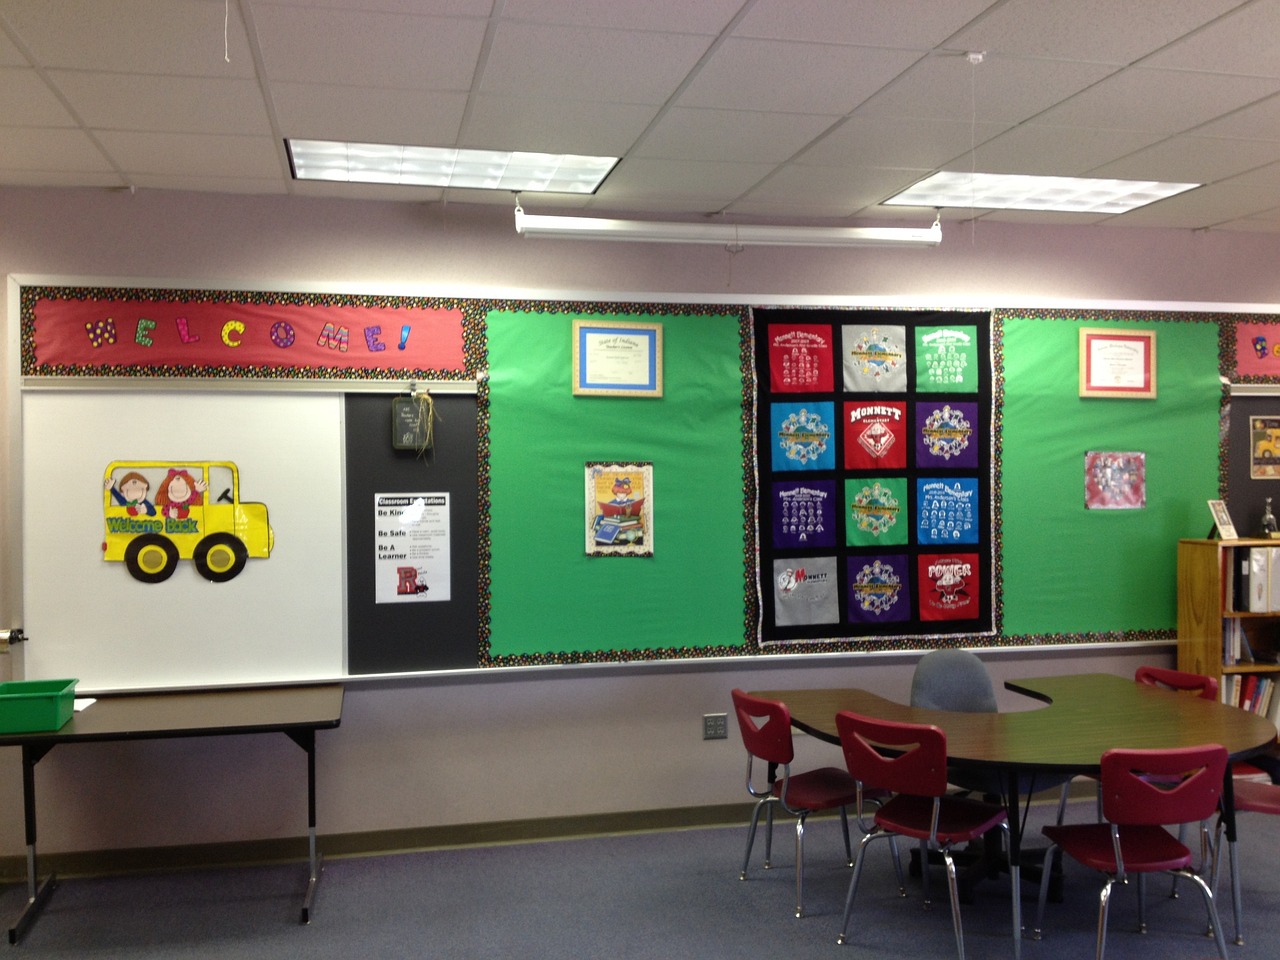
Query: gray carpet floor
(651, 896)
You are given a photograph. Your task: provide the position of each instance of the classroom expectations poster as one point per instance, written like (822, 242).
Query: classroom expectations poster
(411, 547)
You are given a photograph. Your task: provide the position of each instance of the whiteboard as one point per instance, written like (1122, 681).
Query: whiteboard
(280, 620)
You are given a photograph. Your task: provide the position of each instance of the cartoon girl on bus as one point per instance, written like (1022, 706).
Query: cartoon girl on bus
(131, 493)
(178, 493)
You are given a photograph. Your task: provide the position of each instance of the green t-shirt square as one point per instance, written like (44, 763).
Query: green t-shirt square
(875, 511)
(946, 359)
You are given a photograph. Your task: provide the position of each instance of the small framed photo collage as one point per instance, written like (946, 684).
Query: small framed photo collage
(874, 451)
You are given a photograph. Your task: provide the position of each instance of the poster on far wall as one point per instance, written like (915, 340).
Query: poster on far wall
(411, 546)
(1264, 448)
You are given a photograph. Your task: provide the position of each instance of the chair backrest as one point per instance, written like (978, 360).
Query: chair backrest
(1177, 785)
(770, 738)
(1204, 687)
(953, 680)
(914, 761)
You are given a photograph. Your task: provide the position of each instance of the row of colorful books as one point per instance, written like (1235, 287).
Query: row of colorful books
(1251, 691)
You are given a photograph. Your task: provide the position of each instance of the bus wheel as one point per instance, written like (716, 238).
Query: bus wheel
(220, 557)
(151, 558)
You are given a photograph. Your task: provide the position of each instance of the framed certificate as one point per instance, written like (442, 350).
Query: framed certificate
(617, 359)
(1118, 363)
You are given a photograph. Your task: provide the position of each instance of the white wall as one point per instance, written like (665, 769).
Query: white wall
(544, 742)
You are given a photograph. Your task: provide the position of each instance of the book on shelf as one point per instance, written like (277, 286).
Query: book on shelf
(1248, 691)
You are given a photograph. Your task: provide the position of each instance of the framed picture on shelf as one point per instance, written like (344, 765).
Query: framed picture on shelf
(617, 359)
(1222, 520)
(1118, 363)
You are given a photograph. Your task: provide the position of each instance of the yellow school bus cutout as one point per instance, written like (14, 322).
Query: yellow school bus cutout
(158, 512)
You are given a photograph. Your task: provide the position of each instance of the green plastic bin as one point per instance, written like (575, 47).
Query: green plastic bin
(29, 706)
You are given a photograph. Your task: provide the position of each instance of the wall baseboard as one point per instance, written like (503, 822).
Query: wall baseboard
(384, 842)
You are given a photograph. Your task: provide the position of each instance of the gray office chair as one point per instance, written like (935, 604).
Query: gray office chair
(958, 680)
(953, 680)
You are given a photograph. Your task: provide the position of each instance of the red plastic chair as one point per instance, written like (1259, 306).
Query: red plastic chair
(1204, 687)
(766, 733)
(1249, 797)
(1142, 791)
(910, 760)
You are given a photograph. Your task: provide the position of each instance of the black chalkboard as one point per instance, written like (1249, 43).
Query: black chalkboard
(410, 637)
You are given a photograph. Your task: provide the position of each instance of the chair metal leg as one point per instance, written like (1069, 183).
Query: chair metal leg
(953, 889)
(1235, 879)
(1045, 870)
(1142, 903)
(924, 872)
(1104, 906)
(1207, 894)
(844, 826)
(768, 836)
(751, 834)
(1234, 865)
(1015, 875)
(853, 881)
(897, 866)
(800, 865)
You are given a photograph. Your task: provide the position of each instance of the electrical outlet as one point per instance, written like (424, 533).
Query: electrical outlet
(715, 726)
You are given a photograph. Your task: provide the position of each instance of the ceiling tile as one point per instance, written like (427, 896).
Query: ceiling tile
(26, 100)
(126, 101)
(910, 24)
(1054, 151)
(1190, 160)
(1265, 177)
(692, 134)
(183, 154)
(476, 9)
(1198, 209)
(368, 114)
(706, 186)
(553, 126)
(1164, 101)
(1001, 88)
(366, 191)
(184, 37)
(366, 49)
(153, 181)
(1245, 39)
(664, 16)
(45, 148)
(581, 63)
(10, 56)
(842, 191)
(1258, 121)
(789, 77)
(883, 142)
(1096, 31)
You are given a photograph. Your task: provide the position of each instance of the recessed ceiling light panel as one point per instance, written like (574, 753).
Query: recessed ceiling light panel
(996, 191)
(447, 167)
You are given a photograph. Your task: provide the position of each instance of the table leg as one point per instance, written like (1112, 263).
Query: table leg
(1229, 823)
(37, 893)
(306, 739)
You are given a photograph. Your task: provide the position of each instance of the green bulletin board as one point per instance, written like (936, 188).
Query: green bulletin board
(550, 601)
(1069, 570)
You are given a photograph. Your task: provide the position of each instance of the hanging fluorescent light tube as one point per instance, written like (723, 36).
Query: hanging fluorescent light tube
(723, 234)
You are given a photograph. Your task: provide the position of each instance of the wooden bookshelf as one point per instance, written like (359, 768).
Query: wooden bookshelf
(1216, 637)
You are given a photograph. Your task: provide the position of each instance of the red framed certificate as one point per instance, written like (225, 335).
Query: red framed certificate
(1118, 363)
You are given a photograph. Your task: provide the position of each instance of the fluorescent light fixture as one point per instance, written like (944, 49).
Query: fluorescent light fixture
(997, 191)
(724, 234)
(446, 167)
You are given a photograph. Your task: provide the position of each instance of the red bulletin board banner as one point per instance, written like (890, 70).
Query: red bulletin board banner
(84, 335)
(1258, 349)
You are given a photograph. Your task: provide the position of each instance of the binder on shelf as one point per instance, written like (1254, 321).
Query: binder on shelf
(1264, 580)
